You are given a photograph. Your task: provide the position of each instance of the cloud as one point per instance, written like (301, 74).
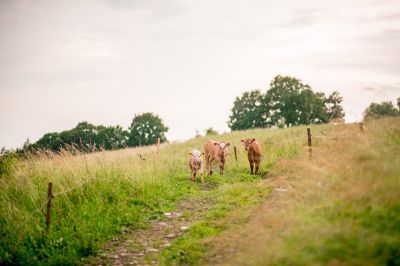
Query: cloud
(385, 35)
(390, 88)
(301, 18)
(156, 9)
(385, 17)
(369, 89)
(384, 90)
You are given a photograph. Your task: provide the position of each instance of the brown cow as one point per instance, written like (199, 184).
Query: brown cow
(195, 164)
(218, 151)
(254, 153)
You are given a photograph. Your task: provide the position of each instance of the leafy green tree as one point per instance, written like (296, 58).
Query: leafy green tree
(288, 102)
(49, 141)
(84, 136)
(145, 129)
(333, 106)
(377, 110)
(246, 111)
(211, 132)
(292, 102)
(113, 137)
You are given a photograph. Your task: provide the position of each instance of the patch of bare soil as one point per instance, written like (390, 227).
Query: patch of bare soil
(141, 247)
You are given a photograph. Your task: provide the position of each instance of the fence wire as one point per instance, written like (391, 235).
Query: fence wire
(41, 208)
(74, 187)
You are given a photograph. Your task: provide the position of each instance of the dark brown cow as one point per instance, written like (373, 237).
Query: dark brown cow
(254, 153)
(218, 151)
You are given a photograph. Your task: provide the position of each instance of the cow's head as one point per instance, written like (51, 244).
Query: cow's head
(196, 155)
(247, 143)
(223, 148)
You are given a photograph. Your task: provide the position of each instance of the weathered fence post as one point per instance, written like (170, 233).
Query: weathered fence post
(234, 149)
(49, 198)
(158, 148)
(361, 126)
(309, 142)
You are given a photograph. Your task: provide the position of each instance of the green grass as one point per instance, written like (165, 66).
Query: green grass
(343, 207)
(338, 213)
(126, 194)
(234, 198)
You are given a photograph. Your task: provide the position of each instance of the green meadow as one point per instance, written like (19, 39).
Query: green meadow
(341, 207)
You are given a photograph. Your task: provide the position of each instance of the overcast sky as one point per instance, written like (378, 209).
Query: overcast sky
(62, 62)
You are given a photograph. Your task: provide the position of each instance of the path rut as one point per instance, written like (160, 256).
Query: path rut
(141, 247)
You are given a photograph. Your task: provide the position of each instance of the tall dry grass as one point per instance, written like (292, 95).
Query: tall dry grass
(118, 191)
(341, 208)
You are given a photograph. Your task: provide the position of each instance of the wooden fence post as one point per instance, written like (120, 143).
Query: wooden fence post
(158, 148)
(309, 142)
(49, 198)
(234, 149)
(361, 125)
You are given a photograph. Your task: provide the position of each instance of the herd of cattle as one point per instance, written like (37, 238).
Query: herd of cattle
(218, 151)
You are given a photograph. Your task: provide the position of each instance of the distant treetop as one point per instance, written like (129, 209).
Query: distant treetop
(287, 102)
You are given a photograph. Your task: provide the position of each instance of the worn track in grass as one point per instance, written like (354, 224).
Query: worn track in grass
(140, 247)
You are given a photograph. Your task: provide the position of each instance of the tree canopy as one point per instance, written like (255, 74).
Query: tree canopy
(145, 129)
(246, 111)
(84, 136)
(287, 102)
(210, 132)
(377, 110)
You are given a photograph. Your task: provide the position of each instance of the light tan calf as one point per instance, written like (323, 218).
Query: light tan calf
(195, 164)
(254, 153)
(218, 151)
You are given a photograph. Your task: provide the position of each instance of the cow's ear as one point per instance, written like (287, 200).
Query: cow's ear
(253, 140)
(227, 144)
(242, 140)
(216, 143)
(190, 153)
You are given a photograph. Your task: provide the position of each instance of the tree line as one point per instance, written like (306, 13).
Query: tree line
(145, 129)
(287, 102)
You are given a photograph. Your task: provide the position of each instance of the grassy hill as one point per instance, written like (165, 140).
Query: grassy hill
(341, 207)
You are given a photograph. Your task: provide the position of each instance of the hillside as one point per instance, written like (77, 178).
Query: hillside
(132, 206)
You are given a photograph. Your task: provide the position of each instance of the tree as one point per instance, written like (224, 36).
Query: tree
(49, 141)
(113, 137)
(377, 110)
(145, 129)
(291, 102)
(84, 137)
(246, 111)
(287, 102)
(333, 106)
(211, 132)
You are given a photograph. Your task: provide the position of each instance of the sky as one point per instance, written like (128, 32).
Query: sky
(66, 61)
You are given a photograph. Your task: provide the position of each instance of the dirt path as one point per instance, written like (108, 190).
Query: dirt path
(232, 246)
(142, 246)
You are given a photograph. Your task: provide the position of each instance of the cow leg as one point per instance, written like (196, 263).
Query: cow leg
(251, 167)
(221, 168)
(257, 166)
(201, 172)
(194, 175)
(210, 166)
